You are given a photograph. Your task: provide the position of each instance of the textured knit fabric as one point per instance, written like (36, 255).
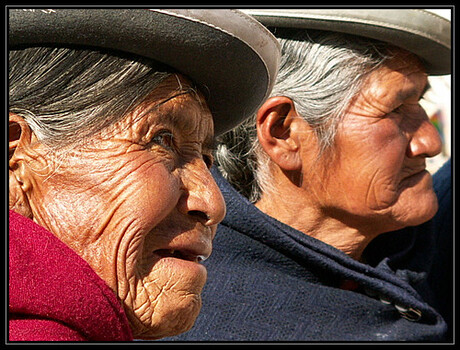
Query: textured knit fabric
(54, 295)
(269, 282)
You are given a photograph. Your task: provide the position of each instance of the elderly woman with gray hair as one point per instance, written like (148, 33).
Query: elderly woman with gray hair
(320, 180)
(112, 115)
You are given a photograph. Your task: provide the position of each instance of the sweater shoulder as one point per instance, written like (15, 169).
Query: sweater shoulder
(50, 281)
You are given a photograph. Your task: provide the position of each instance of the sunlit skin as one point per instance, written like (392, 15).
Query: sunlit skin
(374, 179)
(137, 202)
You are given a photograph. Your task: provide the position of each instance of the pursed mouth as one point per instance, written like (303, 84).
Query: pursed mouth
(415, 170)
(419, 172)
(181, 254)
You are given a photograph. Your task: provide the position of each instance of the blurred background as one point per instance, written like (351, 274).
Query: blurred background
(437, 102)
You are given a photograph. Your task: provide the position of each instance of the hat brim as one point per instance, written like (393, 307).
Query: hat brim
(231, 55)
(421, 32)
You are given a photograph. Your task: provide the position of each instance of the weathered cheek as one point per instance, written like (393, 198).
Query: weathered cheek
(372, 154)
(381, 191)
(152, 290)
(365, 180)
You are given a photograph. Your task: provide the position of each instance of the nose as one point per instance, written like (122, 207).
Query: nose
(425, 141)
(202, 198)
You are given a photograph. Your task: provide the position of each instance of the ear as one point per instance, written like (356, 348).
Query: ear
(274, 121)
(20, 137)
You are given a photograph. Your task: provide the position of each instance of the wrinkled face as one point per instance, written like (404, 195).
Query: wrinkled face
(138, 203)
(377, 180)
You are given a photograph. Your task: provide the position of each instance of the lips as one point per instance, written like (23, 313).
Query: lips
(183, 254)
(178, 243)
(415, 170)
(415, 174)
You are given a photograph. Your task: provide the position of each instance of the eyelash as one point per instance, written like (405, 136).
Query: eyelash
(159, 139)
(209, 160)
(400, 107)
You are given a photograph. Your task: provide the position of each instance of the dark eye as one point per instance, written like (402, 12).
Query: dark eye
(164, 138)
(208, 159)
(398, 109)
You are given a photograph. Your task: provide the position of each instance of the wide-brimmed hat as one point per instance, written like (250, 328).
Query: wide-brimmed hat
(229, 54)
(421, 32)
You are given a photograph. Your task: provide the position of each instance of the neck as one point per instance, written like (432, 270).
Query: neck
(294, 208)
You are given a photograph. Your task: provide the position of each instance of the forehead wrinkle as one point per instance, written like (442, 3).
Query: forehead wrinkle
(155, 108)
(186, 113)
(138, 119)
(410, 69)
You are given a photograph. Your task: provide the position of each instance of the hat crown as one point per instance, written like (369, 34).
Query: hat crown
(228, 53)
(421, 32)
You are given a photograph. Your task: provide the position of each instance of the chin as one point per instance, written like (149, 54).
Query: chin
(423, 209)
(422, 218)
(417, 202)
(171, 322)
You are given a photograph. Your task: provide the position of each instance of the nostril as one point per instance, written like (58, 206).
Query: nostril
(199, 215)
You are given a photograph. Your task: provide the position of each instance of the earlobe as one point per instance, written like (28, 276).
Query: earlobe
(274, 129)
(18, 200)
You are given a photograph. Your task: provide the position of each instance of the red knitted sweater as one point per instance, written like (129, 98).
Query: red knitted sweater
(54, 295)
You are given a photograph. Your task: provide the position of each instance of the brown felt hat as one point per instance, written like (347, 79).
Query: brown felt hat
(421, 32)
(228, 53)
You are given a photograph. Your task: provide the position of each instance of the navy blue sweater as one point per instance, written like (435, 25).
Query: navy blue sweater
(270, 282)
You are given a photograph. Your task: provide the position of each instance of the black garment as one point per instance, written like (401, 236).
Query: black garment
(270, 282)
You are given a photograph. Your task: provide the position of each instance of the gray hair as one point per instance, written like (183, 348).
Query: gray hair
(67, 94)
(321, 72)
